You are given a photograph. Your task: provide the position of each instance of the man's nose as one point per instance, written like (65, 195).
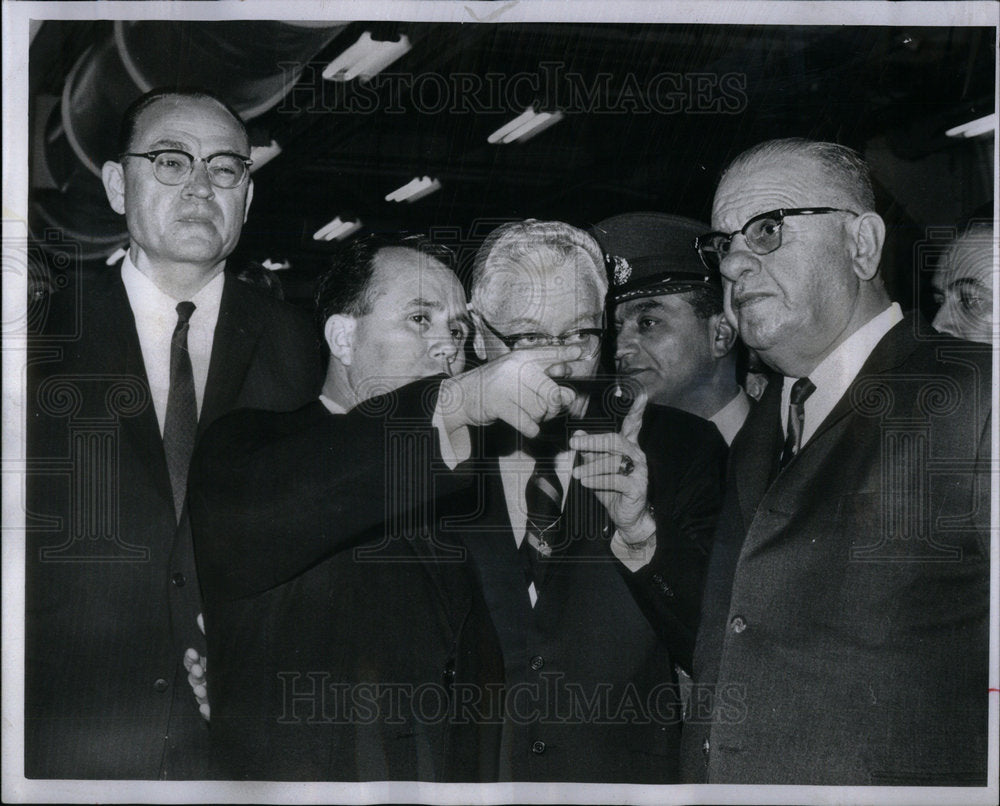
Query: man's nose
(738, 260)
(197, 183)
(625, 343)
(444, 350)
(944, 320)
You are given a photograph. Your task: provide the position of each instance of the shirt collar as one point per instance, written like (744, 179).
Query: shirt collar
(145, 296)
(332, 405)
(835, 373)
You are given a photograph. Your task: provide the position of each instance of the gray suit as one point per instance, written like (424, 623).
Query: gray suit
(844, 632)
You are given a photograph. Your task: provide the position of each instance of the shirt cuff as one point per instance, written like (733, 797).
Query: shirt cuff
(633, 558)
(455, 447)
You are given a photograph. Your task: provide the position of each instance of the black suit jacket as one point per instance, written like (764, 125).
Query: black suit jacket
(111, 590)
(686, 498)
(844, 630)
(347, 640)
(591, 693)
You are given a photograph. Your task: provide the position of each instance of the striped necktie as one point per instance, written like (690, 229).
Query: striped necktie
(801, 390)
(543, 500)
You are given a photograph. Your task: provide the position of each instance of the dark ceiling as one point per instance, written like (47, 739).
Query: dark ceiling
(652, 112)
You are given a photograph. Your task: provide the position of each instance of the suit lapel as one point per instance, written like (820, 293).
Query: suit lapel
(236, 335)
(124, 355)
(895, 347)
(755, 451)
(753, 462)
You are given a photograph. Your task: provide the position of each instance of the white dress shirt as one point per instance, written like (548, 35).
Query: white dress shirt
(837, 371)
(155, 316)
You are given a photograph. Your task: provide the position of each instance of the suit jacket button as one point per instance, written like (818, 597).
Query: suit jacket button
(665, 590)
(537, 662)
(538, 748)
(178, 579)
(160, 685)
(657, 579)
(738, 624)
(705, 747)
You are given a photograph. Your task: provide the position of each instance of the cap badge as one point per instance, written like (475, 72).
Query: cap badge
(621, 270)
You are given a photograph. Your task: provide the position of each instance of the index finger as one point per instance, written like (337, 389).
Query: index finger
(632, 423)
(553, 358)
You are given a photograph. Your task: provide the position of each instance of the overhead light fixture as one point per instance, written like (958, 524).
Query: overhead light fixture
(336, 230)
(115, 256)
(261, 155)
(525, 126)
(416, 188)
(974, 127)
(365, 58)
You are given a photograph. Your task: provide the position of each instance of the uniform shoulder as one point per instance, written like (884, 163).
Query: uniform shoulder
(681, 430)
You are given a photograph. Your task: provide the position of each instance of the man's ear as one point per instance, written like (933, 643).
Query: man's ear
(869, 236)
(246, 204)
(339, 334)
(723, 335)
(113, 177)
(478, 343)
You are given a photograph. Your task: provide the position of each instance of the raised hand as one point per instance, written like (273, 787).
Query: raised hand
(517, 388)
(614, 467)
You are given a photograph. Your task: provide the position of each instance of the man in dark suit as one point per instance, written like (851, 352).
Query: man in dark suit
(844, 634)
(591, 695)
(126, 370)
(347, 637)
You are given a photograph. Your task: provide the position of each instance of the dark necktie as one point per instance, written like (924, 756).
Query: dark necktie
(182, 408)
(801, 390)
(543, 501)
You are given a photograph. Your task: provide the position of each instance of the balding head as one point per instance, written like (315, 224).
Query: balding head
(812, 281)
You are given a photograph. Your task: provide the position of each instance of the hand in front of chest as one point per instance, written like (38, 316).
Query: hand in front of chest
(614, 467)
(517, 388)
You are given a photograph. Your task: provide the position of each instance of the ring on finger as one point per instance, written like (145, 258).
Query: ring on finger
(626, 466)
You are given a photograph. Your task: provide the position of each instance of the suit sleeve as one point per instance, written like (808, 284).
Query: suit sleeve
(687, 460)
(271, 495)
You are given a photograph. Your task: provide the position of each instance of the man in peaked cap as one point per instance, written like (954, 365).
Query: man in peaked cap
(672, 335)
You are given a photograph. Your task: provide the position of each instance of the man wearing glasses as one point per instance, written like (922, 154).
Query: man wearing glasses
(590, 690)
(165, 346)
(845, 631)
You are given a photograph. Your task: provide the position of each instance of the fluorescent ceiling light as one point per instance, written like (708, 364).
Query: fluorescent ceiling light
(416, 188)
(336, 230)
(115, 256)
(261, 155)
(365, 58)
(273, 265)
(974, 127)
(525, 126)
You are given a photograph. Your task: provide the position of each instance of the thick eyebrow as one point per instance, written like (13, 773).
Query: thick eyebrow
(647, 305)
(965, 282)
(179, 146)
(168, 144)
(420, 302)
